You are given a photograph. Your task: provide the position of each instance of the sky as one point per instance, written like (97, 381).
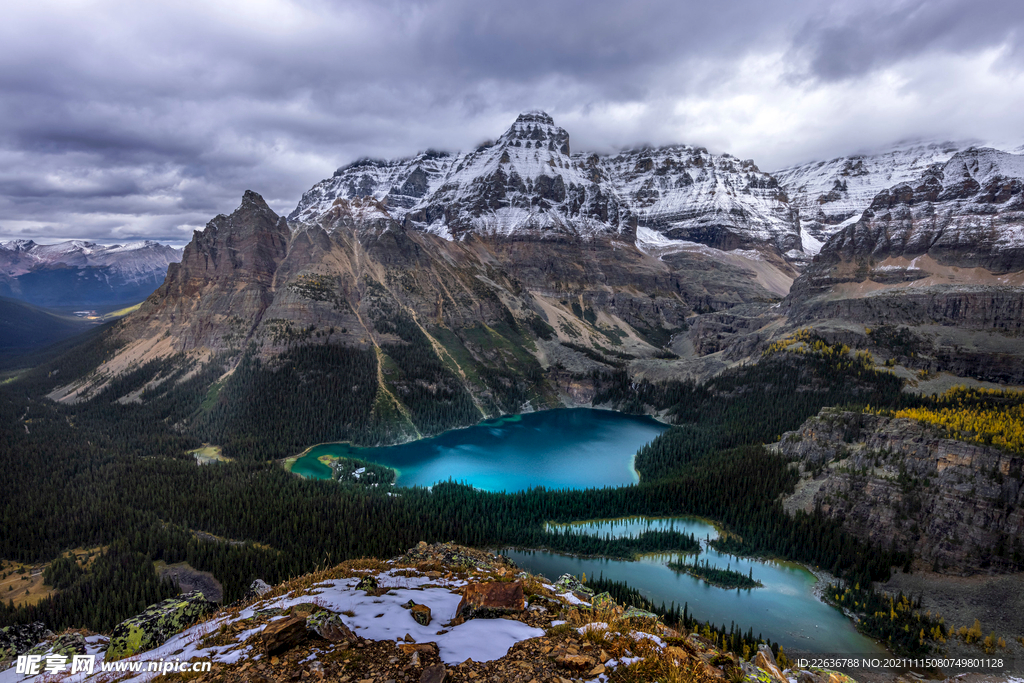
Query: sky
(142, 120)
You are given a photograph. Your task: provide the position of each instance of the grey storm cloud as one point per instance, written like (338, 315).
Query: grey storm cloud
(122, 120)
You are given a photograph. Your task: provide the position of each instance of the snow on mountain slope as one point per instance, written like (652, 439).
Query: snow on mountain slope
(25, 255)
(960, 223)
(686, 193)
(525, 183)
(402, 183)
(528, 183)
(832, 194)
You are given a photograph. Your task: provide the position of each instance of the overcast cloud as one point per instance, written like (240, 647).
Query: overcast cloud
(128, 120)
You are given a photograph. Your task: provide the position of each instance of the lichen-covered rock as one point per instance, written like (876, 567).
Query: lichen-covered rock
(66, 644)
(637, 613)
(604, 602)
(257, 589)
(456, 556)
(420, 614)
(367, 583)
(808, 677)
(491, 600)
(568, 582)
(765, 660)
(155, 625)
(19, 639)
(752, 674)
(303, 609)
(329, 626)
(829, 676)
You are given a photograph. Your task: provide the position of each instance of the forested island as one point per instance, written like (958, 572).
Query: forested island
(723, 578)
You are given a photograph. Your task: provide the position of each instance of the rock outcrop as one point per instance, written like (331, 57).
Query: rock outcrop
(491, 600)
(19, 639)
(956, 505)
(156, 624)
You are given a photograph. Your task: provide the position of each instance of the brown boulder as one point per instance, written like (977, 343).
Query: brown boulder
(576, 662)
(284, 633)
(490, 600)
(434, 674)
(421, 613)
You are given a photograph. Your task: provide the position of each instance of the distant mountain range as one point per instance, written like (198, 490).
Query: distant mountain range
(82, 274)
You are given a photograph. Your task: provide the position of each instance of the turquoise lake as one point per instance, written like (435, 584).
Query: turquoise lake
(785, 609)
(568, 448)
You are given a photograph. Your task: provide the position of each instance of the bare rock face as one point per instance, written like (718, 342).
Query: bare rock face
(943, 251)
(224, 281)
(491, 600)
(956, 505)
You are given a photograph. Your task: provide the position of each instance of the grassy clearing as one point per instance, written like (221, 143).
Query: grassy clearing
(23, 583)
(211, 454)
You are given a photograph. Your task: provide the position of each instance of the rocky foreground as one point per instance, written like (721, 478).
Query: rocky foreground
(440, 613)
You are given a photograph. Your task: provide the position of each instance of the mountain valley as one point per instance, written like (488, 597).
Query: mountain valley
(782, 323)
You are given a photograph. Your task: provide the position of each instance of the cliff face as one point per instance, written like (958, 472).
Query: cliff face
(499, 315)
(956, 505)
(223, 284)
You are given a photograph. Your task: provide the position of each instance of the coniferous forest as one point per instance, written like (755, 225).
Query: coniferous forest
(101, 473)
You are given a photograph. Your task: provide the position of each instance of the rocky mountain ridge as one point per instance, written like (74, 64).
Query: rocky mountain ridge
(529, 183)
(942, 256)
(828, 195)
(958, 227)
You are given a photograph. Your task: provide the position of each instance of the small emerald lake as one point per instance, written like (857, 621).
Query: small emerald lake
(568, 448)
(784, 609)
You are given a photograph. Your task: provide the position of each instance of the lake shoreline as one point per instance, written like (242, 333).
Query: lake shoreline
(513, 453)
(424, 437)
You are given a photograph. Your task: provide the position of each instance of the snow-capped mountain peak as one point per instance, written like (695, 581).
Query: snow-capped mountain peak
(830, 195)
(528, 182)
